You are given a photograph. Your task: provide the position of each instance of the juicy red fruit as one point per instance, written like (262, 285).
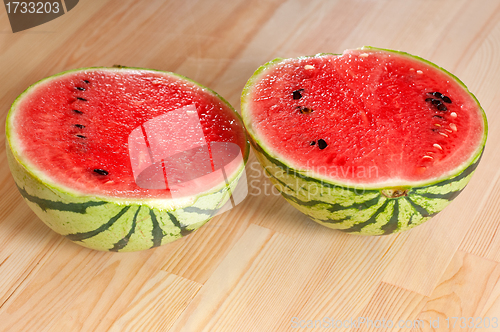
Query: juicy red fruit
(370, 110)
(76, 126)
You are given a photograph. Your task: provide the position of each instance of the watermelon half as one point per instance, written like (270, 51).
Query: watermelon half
(370, 142)
(124, 159)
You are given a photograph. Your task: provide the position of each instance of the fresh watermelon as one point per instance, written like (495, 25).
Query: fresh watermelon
(370, 142)
(124, 159)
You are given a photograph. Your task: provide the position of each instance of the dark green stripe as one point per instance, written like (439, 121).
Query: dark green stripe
(393, 223)
(157, 232)
(46, 204)
(333, 207)
(184, 230)
(360, 206)
(334, 221)
(371, 220)
(123, 242)
(411, 218)
(420, 209)
(278, 180)
(86, 235)
(192, 209)
(448, 196)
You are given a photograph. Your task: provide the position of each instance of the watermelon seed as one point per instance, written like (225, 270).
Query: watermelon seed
(443, 134)
(442, 108)
(101, 171)
(305, 110)
(436, 102)
(79, 126)
(439, 95)
(453, 114)
(436, 94)
(453, 126)
(86, 81)
(427, 157)
(80, 88)
(312, 143)
(77, 111)
(297, 94)
(419, 72)
(81, 136)
(437, 125)
(437, 146)
(80, 98)
(308, 67)
(438, 117)
(322, 144)
(363, 55)
(450, 131)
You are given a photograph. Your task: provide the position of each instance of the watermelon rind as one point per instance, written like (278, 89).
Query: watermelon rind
(364, 209)
(114, 223)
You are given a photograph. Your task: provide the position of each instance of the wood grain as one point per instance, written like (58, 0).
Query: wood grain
(262, 266)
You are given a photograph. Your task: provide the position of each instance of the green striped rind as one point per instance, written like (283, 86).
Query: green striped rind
(355, 209)
(359, 211)
(106, 225)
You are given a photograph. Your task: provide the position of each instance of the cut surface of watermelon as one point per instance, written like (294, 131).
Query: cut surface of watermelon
(367, 117)
(125, 159)
(73, 130)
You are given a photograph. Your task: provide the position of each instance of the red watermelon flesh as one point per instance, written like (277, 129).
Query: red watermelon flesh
(366, 117)
(76, 127)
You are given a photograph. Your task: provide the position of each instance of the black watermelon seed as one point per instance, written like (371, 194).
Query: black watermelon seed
(429, 99)
(77, 111)
(80, 88)
(437, 94)
(436, 102)
(322, 144)
(441, 107)
(79, 126)
(312, 143)
(86, 81)
(101, 171)
(80, 98)
(297, 94)
(438, 117)
(81, 136)
(305, 110)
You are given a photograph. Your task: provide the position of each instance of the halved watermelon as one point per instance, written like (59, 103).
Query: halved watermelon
(124, 159)
(371, 142)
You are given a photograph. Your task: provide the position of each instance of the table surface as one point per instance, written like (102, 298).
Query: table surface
(262, 266)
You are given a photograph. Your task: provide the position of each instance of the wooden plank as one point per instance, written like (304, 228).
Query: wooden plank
(157, 304)
(207, 302)
(462, 291)
(390, 308)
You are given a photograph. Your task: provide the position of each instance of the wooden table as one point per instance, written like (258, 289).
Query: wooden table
(262, 266)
